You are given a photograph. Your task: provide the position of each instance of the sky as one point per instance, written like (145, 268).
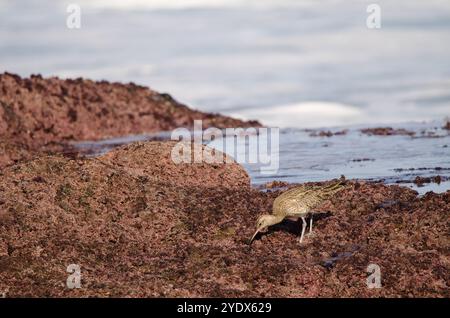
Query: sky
(286, 63)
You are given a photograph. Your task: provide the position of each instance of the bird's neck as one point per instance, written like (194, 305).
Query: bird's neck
(276, 219)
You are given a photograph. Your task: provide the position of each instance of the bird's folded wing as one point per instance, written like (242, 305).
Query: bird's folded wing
(305, 197)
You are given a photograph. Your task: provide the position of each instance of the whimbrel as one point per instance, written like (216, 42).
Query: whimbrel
(297, 203)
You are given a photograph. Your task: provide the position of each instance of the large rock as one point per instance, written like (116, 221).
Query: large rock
(153, 160)
(104, 214)
(138, 225)
(37, 111)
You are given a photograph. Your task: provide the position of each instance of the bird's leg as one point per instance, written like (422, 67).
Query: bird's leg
(310, 233)
(303, 229)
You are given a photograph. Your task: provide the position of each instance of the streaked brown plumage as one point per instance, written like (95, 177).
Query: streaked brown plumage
(297, 203)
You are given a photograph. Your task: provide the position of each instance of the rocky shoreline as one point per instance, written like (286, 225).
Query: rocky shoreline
(140, 226)
(42, 114)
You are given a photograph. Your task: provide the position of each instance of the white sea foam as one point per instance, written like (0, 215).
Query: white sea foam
(305, 114)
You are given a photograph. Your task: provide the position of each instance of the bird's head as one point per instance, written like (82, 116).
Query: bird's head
(263, 222)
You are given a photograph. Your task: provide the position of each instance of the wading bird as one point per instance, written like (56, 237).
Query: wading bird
(297, 203)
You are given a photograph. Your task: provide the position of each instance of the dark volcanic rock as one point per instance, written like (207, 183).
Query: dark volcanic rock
(139, 225)
(328, 133)
(420, 181)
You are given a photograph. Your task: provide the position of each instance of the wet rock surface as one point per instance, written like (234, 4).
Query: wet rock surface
(138, 225)
(387, 131)
(328, 133)
(420, 181)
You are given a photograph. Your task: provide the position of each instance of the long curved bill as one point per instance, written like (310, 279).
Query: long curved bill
(254, 235)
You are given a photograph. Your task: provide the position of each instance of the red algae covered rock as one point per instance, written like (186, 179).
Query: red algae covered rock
(137, 225)
(153, 160)
(11, 153)
(106, 216)
(387, 131)
(36, 111)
